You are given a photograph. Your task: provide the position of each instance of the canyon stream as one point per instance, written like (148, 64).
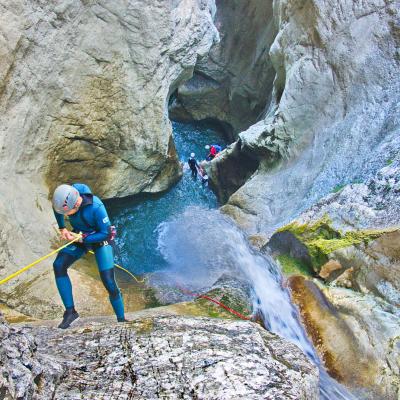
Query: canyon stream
(180, 238)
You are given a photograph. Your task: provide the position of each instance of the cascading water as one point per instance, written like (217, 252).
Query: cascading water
(185, 240)
(200, 245)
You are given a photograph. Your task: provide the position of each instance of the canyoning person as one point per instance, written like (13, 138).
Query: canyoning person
(218, 148)
(213, 150)
(203, 175)
(87, 215)
(193, 164)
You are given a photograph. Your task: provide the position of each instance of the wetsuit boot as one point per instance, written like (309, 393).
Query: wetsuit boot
(70, 316)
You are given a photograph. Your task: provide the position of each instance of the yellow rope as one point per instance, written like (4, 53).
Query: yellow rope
(20, 271)
(128, 272)
(77, 237)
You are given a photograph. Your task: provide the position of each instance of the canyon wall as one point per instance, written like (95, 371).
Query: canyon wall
(334, 113)
(84, 87)
(233, 82)
(326, 187)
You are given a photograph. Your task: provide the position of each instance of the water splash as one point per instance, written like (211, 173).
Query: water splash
(138, 217)
(200, 245)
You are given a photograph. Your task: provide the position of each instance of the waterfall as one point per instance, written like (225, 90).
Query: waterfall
(200, 245)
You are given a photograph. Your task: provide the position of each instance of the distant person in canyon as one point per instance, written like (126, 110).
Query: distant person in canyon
(193, 165)
(203, 176)
(88, 215)
(213, 150)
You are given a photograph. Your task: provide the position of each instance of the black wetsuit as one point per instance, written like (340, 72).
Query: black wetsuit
(193, 166)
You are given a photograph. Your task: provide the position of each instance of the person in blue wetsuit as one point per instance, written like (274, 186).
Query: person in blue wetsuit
(88, 215)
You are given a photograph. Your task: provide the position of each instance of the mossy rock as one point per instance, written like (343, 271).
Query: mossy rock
(230, 298)
(201, 306)
(292, 266)
(320, 240)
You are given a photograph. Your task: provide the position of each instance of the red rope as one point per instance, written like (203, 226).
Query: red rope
(202, 296)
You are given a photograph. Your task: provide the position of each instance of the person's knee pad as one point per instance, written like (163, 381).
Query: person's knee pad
(108, 279)
(61, 264)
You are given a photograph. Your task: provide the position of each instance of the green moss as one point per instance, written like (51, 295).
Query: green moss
(143, 326)
(292, 266)
(201, 308)
(151, 300)
(389, 161)
(321, 228)
(321, 239)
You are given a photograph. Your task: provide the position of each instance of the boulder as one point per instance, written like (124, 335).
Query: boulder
(356, 336)
(166, 356)
(328, 268)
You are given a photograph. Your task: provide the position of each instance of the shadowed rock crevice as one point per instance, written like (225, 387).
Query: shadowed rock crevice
(229, 171)
(233, 83)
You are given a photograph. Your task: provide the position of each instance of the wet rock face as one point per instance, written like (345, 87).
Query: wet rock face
(360, 327)
(328, 332)
(171, 357)
(357, 336)
(234, 82)
(335, 114)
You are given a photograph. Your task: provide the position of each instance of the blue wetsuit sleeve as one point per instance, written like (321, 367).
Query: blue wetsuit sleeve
(60, 219)
(102, 226)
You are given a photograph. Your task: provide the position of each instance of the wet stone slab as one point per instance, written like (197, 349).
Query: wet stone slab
(165, 357)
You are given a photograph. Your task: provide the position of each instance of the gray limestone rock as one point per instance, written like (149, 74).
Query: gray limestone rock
(373, 205)
(233, 83)
(334, 117)
(149, 358)
(376, 326)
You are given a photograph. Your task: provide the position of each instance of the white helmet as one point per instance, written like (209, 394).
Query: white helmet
(207, 147)
(192, 155)
(64, 198)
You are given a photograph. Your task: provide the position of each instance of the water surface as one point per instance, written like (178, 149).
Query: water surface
(138, 218)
